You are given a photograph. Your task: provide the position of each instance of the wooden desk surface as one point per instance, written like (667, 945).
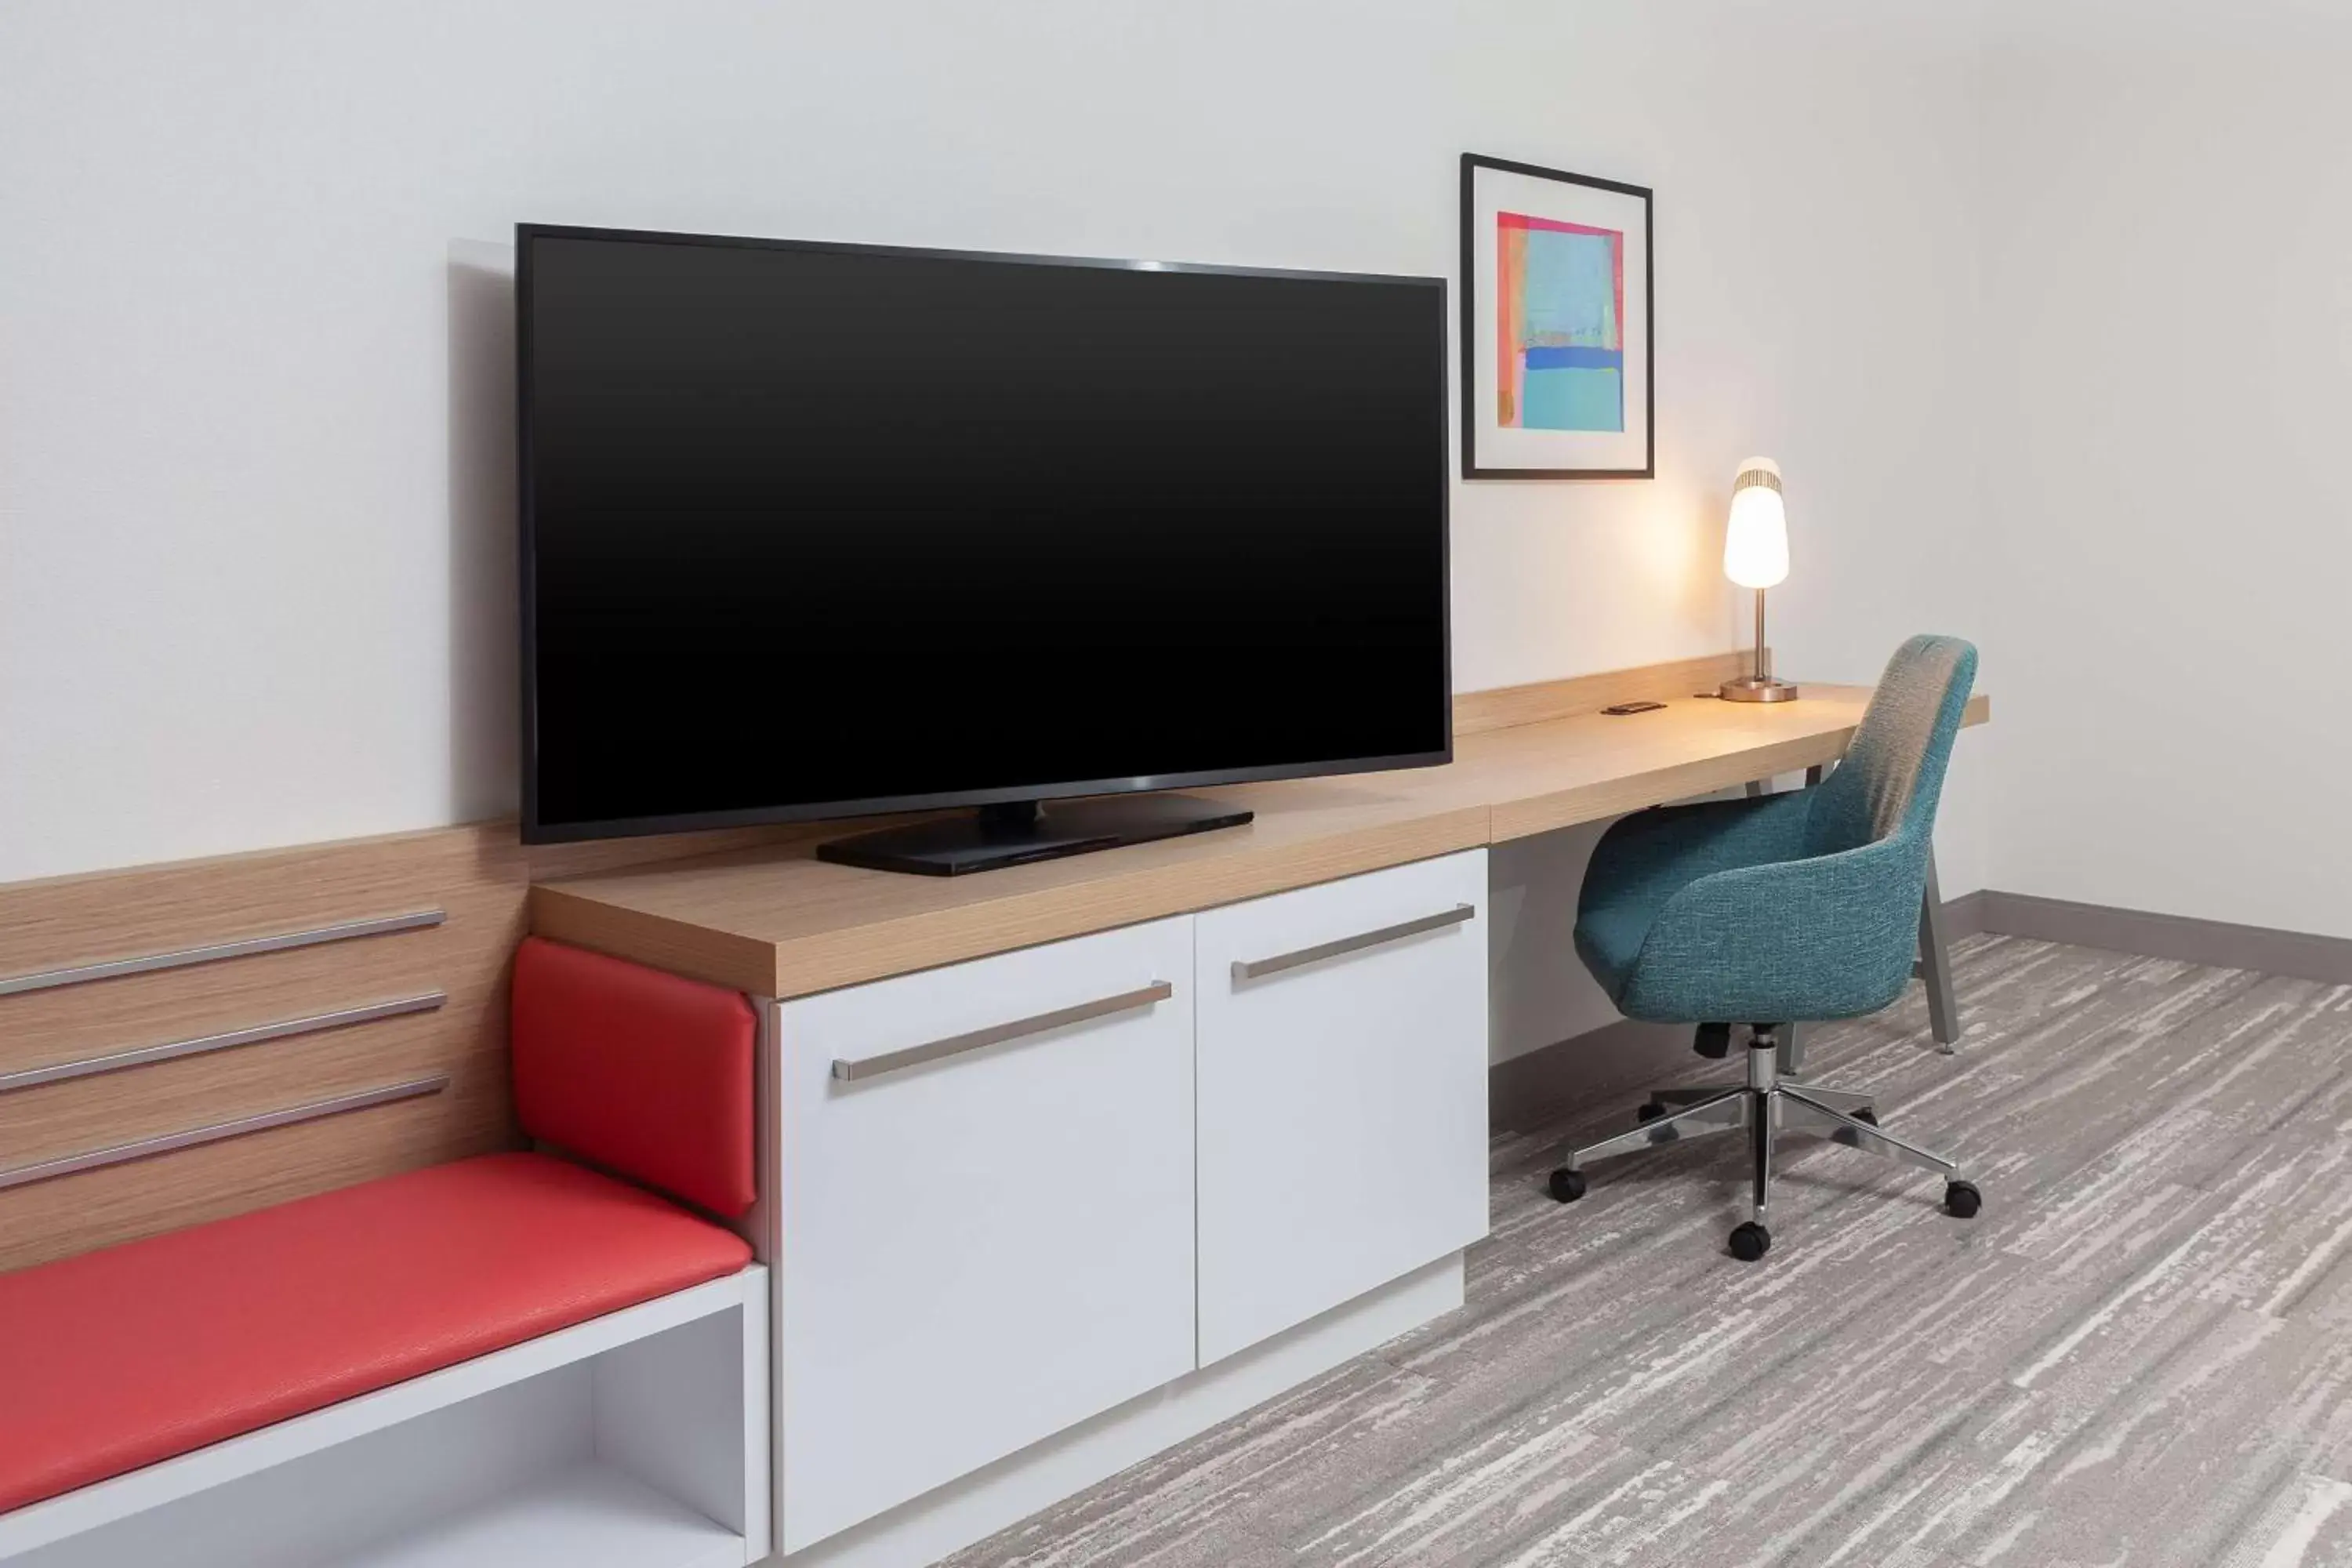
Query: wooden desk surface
(779, 922)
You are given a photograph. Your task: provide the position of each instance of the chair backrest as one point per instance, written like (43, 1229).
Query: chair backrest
(1893, 772)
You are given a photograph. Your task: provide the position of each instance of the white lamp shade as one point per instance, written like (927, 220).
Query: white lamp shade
(1756, 544)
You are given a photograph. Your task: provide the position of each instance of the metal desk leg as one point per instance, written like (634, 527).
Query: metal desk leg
(1793, 1037)
(1936, 965)
(1758, 786)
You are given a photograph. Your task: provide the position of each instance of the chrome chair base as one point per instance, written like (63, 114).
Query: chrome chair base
(1764, 1107)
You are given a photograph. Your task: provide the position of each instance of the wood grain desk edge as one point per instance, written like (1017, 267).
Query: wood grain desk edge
(1593, 803)
(906, 943)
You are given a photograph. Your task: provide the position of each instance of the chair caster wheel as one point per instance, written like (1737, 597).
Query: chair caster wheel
(1750, 1242)
(1651, 1112)
(1567, 1185)
(1866, 1114)
(1962, 1200)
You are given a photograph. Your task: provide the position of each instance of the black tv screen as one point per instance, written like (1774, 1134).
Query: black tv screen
(817, 529)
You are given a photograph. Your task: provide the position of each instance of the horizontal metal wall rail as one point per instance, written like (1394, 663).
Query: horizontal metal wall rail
(170, 1143)
(115, 1062)
(213, 953)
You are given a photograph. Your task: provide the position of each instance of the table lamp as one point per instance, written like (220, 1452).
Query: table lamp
(1756, 555)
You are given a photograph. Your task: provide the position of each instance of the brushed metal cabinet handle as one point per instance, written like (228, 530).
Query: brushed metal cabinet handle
(849, 1071)
(1257, 969)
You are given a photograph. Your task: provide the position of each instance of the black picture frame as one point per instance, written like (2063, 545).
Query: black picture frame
(1473, 288)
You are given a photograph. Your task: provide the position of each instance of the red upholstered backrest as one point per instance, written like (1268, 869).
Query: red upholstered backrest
(639, 1071)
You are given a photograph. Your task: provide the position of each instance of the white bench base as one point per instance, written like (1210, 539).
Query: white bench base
(634, 1440)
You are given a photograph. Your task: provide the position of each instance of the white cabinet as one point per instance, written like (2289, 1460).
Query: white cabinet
(1018, 1192)
(987, 1213)
(1341, 1091)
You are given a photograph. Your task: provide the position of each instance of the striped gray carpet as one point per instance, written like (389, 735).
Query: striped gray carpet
(2138, 1354)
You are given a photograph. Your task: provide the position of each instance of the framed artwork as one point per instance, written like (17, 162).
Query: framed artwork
(1557, 367)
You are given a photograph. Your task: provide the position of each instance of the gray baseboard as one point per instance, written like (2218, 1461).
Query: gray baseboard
(1625, 1056)
(2298, 955)
(1965, 916)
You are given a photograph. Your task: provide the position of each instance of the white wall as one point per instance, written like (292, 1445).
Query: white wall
(2168, 337)
(255, 502)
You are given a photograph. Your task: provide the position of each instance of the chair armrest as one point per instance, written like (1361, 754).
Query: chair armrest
(1833, 936)
(1647, 855)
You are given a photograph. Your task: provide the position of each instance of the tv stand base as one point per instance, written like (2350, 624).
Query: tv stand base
(1017, 832)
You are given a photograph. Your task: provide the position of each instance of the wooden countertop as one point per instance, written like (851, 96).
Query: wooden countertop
(779, 922)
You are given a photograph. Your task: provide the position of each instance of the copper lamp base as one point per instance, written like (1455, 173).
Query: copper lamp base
(1751, 689)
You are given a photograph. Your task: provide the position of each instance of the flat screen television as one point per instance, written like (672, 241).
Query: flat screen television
(816, 531)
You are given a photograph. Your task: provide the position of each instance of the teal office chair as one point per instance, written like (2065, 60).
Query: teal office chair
(1802, 905)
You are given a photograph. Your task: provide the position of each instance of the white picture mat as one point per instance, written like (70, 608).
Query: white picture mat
(1491, 192)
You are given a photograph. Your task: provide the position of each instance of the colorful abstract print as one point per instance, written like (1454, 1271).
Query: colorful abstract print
(1560, 361)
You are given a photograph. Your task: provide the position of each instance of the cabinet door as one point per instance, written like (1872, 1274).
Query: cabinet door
(987, 1227)
(1342, 1091)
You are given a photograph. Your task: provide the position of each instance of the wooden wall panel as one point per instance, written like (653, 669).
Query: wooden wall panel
(478, 874)
(122, 1203)
(55, 1119)
(44, 1028)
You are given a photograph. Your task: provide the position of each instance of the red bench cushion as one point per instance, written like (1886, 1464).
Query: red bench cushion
(639, 1071)
(123, 1357)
